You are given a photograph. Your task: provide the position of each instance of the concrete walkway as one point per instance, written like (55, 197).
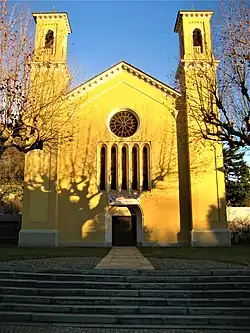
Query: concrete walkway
(124, 258)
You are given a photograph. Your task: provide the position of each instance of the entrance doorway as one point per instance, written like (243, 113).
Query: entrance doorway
(124, 230)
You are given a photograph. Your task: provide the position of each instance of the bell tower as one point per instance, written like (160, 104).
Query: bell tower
(49, 82)
(194, 32)
(202, 185)
(50, 76)
(52, 30)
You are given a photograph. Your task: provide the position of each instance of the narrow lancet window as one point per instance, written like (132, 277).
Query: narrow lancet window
(49, 40)
(145, 158)
(197, 41)
(113, 184)
(103, 168)
(135, 168)
(124, 168)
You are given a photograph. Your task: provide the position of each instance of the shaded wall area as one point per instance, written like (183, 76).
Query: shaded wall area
(10, 225)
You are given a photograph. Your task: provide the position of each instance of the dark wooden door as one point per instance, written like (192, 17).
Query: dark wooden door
(124, 230)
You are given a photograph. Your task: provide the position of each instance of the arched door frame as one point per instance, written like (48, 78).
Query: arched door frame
(135, 210)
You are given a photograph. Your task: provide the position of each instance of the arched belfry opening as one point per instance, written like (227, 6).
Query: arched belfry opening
(49, 40)
(197, 41)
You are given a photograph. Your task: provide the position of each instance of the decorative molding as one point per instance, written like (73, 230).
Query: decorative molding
(49, 64)
(53, 16)
(146, 94)
(195, 22)
(199, 63)
(196, 14)
(53, 65)
(123, 66)
(191, 14)
(120, 200)
(119, 109)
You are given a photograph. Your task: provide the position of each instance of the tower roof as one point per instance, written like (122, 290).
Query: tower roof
(53, 16)
(191, 13)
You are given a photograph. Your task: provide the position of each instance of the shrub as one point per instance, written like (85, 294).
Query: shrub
(11, 195)
(240, 230)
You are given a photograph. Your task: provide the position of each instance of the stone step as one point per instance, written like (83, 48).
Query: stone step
(124, 285)
(125, 278)
(124, 309)
(140, 301)
(118, 298)
(123, 273)
(125, 319)
(225, 272)
(132, 327)
(242, 293)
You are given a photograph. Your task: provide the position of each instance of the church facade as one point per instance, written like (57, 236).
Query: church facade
(132, 173)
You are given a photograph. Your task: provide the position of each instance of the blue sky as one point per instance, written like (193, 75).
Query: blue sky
(139, 32)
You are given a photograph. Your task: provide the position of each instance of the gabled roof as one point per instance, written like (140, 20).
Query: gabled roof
(123, 66)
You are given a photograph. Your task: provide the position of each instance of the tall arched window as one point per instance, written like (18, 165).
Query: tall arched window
(197, 40)
(49, 40)
(103, 168)
(113, 184)
(124, 168)
(135, 170)
(145, 161)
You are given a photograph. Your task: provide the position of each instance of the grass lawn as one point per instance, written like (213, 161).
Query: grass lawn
(22, 253)
(237, 254)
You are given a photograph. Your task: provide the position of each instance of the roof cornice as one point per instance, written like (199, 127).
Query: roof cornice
(53, 16)
(119, 67)
(191, 13)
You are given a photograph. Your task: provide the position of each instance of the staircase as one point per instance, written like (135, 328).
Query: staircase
(128, 299)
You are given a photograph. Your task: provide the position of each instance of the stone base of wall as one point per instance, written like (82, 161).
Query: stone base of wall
(30, 237)
(83, 244)
(93, 244)
(210, 237)
(156, 244)
(200, 237)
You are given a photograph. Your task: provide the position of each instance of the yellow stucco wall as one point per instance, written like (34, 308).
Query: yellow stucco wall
(186, 193)
(157, 127)
(205, 159)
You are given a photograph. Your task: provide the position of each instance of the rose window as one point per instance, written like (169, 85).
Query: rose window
(123, 124)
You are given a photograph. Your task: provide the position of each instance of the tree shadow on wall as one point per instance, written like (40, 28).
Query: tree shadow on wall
(167, 162)
(196, 157)
(73, 197)
(147, 231)
(215, 215)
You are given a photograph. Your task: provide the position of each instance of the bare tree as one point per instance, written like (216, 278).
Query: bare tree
(34, 102)
(221, 106)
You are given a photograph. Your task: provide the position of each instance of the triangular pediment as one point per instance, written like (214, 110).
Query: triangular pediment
(115, 70)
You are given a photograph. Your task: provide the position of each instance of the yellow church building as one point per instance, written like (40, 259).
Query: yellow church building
(132, 172)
